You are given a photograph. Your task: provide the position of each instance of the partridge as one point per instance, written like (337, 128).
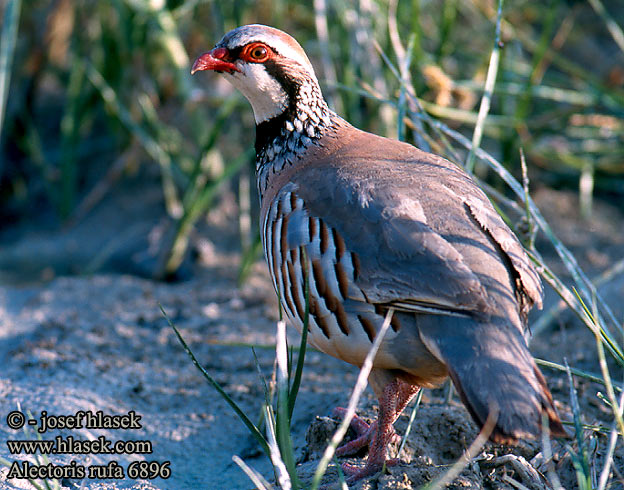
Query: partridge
(372, 223)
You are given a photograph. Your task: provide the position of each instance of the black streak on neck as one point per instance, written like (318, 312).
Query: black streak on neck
(270, 129)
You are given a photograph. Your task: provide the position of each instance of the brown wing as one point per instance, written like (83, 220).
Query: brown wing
(424, 234)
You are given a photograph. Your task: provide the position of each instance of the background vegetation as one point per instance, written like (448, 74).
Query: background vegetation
(91, 93)
(95, 89)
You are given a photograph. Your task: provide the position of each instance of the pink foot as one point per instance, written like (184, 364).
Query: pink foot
(393, 397)
(363, 431)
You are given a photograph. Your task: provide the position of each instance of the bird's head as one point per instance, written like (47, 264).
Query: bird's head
(267, 65)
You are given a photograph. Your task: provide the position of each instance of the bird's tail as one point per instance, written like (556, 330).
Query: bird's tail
(493, 370)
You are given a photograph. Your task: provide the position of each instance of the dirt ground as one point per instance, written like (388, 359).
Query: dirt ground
(80, 330)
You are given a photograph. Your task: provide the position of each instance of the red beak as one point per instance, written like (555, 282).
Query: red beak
(214, 60)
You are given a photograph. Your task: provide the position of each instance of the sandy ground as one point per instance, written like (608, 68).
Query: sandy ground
(92, 342)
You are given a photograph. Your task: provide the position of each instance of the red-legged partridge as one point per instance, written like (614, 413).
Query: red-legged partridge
(374, 223)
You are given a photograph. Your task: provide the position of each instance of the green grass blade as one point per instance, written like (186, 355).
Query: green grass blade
(402, 102)
(257, 479)
(486, 99)
(8, 39)
(524, 101)
(527, 208)
(447, 22)
(279, 467)
(606, 375)
(576, 372)
(579, 460)
(614, 29)
(241, 415)
(404, 60)
(282, 426)
(294, 389)
(613, 437)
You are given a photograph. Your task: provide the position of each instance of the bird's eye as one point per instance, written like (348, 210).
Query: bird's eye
(257, 52)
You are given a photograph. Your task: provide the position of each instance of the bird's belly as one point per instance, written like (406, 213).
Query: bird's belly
(412, 360)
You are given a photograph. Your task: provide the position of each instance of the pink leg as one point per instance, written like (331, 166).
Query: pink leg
(363, 433)
(392, 400)
(405, 394)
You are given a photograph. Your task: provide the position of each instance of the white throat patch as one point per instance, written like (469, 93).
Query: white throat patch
(264, 93)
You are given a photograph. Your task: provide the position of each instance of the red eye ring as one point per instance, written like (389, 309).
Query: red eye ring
(256, 53)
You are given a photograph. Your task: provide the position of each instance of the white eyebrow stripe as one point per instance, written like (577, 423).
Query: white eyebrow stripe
(256, 33)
